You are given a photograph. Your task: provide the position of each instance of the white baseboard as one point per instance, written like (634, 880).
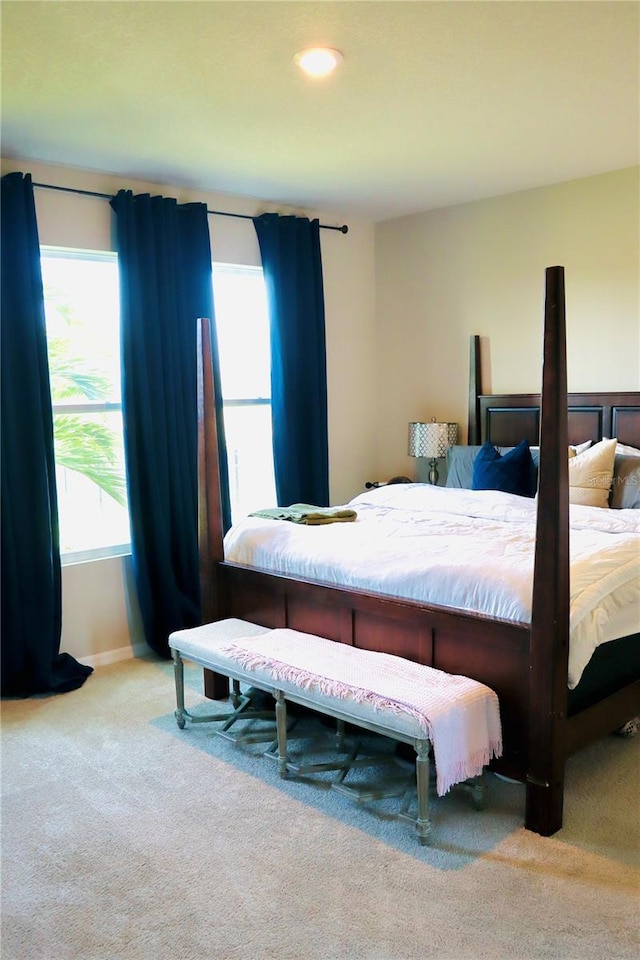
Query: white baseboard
(115, 656)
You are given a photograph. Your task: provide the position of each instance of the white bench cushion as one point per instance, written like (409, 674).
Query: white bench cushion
(203, 644)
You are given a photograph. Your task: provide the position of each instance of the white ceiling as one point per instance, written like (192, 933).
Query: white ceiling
(436, 103)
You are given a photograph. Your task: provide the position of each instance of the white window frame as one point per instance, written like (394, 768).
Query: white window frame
(247, 401)
(113, 550)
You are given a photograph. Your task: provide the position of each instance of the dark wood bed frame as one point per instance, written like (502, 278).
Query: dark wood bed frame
(526, 665)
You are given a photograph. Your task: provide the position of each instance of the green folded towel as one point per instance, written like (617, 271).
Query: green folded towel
(307, 513)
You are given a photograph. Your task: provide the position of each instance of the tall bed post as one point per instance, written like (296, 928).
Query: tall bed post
(549, 637)
(210, 532)
(475, 389)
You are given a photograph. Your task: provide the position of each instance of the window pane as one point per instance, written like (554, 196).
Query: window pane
(251, 479)
(90, 475)
(83, 326)
(83, 338)
(242, 324)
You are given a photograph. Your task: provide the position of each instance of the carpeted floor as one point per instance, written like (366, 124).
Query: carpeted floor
(124, 837)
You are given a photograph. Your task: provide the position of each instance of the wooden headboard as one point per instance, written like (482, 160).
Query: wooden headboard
(507, 419)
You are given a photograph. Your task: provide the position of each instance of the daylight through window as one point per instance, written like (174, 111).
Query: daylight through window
(83, 335)
(245, 368)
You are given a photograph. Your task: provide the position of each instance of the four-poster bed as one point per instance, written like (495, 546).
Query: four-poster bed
(525, 663)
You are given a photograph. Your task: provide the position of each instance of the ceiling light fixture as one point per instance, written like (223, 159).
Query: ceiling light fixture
(318, 61)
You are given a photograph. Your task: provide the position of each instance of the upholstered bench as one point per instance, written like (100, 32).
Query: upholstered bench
(202, 645)
(455, 717)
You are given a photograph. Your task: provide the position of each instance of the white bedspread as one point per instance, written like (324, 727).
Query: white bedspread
(460, 548)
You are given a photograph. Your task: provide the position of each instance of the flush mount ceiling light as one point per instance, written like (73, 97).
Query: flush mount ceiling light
(318, 61)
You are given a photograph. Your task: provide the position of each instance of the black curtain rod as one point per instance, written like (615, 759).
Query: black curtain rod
(216, 213)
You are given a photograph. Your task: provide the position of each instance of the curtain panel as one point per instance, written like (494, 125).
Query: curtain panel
(164, 258)
(31, 572)
(292, 264)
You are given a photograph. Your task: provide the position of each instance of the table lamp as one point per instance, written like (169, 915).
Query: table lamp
(431, 440)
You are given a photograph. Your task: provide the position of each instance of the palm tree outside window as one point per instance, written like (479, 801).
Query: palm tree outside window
(83, 340)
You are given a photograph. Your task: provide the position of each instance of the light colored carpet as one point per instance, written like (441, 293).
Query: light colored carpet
(124, 837)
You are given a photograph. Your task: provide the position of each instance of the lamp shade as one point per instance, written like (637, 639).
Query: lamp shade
(431, 439)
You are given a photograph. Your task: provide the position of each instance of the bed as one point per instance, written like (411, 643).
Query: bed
(522, 654)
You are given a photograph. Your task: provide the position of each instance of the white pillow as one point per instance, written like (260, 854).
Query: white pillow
(574, 448)
(626, 451)
(579, 447)
(591, 473)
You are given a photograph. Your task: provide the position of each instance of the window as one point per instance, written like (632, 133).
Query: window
(242, 323)
(83, 336)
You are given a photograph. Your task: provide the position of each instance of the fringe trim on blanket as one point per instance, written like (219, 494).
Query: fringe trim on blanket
(329, 688)
(457, 772)
(472, 767)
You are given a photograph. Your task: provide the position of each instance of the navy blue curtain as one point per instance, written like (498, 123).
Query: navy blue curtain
(31, 575)
(292, 264)
(164, 257)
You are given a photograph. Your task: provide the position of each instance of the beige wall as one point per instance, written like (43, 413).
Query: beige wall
(399, 316)
(100, 614)
(478, 268)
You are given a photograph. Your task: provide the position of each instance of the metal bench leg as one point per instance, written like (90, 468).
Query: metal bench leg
(281, 725)
(241, 703)
(178, 674)
(423, 824)
(477, 792)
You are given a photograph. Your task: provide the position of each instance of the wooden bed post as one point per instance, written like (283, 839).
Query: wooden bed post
(549, 642)
(475, 389)
(210, 531)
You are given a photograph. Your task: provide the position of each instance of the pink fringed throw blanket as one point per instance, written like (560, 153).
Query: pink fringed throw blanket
(460, 716)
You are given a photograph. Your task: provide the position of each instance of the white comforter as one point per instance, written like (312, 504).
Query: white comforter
(460, 548)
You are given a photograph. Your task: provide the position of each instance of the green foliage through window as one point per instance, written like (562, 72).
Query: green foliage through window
(83, 346)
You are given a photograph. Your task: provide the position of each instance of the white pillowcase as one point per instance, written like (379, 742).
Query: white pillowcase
(626, 451)
(580, 447)
(591, 473)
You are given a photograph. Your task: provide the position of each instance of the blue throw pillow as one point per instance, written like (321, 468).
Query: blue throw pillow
(511, 472)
